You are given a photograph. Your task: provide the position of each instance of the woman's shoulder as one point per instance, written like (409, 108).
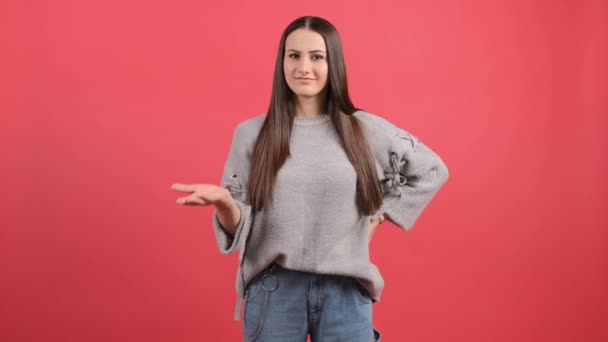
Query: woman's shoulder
(374, 122)
(244, 136)
(252, 124)
(384, 135)
(247, 130)
(380, 129)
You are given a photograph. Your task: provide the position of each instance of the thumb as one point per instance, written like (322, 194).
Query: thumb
(184, 187)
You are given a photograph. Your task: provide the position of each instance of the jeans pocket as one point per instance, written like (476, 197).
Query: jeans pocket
(253, 289)
(253, 319)
(257, 302)
(361, 293)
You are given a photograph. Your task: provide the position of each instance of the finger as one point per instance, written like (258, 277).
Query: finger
(196, 201)
(184, 187)
(191, 201)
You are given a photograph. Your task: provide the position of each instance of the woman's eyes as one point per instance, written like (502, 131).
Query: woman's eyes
(314, 57)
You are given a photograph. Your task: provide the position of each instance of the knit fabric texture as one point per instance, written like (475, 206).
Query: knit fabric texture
(313, 223)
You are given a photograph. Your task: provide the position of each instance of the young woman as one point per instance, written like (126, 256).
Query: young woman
(304, 187)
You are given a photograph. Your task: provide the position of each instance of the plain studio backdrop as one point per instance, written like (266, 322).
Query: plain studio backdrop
(105, 104)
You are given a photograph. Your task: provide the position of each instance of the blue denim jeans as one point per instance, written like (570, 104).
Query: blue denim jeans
(283, 305)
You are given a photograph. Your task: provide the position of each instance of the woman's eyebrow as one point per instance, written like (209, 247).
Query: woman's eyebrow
(308, 51)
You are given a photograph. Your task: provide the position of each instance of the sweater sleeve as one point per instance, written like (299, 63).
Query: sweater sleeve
(415, 175)
(410, 172)
(234, 178)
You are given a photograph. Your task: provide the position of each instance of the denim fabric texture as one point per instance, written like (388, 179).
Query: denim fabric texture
(287, 306)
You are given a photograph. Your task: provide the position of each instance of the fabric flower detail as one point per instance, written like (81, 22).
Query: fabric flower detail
(408, 136)
(394, 179)
(235, 187)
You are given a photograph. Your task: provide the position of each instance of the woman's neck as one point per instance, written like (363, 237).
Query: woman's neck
(309, 107)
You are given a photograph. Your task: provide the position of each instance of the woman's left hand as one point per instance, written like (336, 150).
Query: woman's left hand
(372, 227)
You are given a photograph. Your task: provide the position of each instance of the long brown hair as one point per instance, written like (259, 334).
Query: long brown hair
(271, 148)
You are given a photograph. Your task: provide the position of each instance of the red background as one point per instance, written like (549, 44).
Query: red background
(105, 104)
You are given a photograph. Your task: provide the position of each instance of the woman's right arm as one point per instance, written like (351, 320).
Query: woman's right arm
(232, 214)
(228, 214)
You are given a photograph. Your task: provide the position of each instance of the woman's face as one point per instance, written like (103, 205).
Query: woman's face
(305, 62)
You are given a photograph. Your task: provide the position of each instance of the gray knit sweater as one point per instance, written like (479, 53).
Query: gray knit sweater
(313, 223)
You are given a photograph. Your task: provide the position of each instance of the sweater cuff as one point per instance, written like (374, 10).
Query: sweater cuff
(407, 205)
(226, 243)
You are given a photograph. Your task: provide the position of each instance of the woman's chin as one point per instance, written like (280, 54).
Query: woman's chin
(307, 93)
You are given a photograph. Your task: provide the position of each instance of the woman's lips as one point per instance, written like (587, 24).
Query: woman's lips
(304, 79)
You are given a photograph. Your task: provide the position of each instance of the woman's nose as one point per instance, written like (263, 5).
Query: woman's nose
(304, 64)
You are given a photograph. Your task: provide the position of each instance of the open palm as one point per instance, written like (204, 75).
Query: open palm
(200, 194)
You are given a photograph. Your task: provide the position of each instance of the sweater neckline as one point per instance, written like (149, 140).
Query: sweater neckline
(321, 118)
